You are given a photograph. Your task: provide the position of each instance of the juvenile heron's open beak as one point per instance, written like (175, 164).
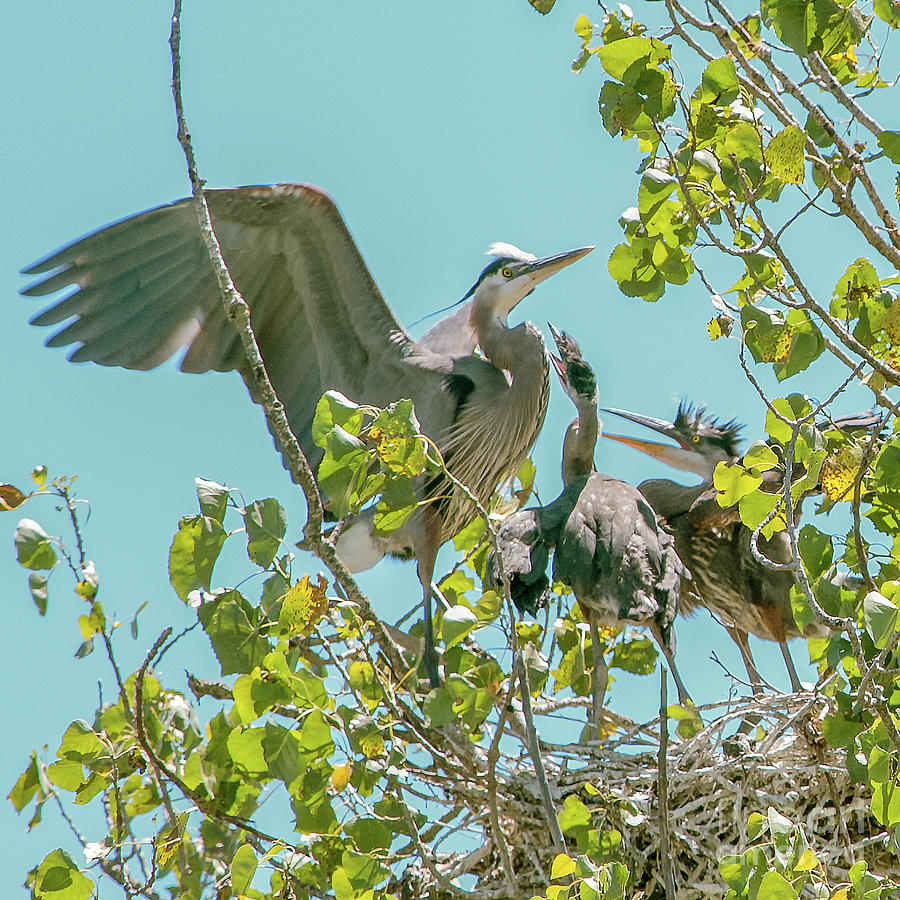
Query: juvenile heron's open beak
(558, 364)
(682, 456)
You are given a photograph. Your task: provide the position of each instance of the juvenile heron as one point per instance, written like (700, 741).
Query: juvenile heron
(745, 595)
(145, 289)
(608, 544)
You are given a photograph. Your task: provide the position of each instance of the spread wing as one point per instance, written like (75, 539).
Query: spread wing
(145, 289)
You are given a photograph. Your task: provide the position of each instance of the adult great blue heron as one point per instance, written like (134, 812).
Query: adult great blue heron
(145, 288)
(608, 544)
(727, 579)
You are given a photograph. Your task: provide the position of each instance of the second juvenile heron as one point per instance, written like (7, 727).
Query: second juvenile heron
(727, 579)
(145, 289)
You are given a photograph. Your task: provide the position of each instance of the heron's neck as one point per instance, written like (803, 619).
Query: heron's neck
(518, 351)
(669, 498)
(579, 442)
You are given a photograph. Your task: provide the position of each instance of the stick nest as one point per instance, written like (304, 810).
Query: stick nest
(716, 779)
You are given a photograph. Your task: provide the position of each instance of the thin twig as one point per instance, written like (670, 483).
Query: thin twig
(662, 788)
(509, 872)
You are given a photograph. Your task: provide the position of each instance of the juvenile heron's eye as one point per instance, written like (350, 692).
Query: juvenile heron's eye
(695, 438)
(507, 273)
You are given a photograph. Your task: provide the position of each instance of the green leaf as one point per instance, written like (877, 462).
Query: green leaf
(631, 266)
(688, 719)
(886, 803)
(574, 815)
(468, 537)
(37, 584)
(785, 154)
(33, 547)
(80, 743)
(245, 747)
(879, 618)
(342, 468)
(778, 824)
(775, 886)
(363, 872)
(398, 442)
(303, 604)
(879, 767)
(398, 502)
(756, 506)
(637, 656)
(719, 85)
(335, 409)
(756, 825)
(856, 288)
(233, 629)
(284, 757)
(66, 774)
(583, 28)
(807, 862)
(315, 736)
(816, 550)
(619, 56)
(735, 871)
(341, 886)
(266, 525)
(193, 554)
(888, 11)
(438, 708)
(889, 141)
(458, 621)
(26, 786)
(213, 498)
(792, 407)
(733, 481)
(243, 868)
(370, 834)
(563, 865)
(839, 730)
(887, 471)
(58, 878)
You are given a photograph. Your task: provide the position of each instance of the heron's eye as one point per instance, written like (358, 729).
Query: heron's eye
(695, 438)
(507, 273)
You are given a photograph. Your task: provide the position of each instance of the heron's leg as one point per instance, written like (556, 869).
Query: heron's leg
(683, 695)
(792, 672)
(428, 543)
(599, 681)
(739, 636)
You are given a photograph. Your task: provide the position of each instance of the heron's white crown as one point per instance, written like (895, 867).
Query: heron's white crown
(509, 251)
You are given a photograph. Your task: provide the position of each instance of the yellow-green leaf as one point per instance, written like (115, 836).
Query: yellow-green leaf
(563, 865)
(785, 154)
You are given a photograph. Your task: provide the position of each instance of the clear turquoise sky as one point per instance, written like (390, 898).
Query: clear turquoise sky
(439, 128)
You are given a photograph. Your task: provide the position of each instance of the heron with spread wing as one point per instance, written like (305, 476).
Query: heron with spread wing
(146, 289)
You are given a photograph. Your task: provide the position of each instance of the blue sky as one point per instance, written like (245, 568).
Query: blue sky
(438, 128)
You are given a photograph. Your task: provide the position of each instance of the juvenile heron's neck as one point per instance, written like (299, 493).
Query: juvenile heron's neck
(579, 442)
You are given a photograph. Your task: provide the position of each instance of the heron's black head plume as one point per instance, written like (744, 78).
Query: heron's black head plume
(694, 422)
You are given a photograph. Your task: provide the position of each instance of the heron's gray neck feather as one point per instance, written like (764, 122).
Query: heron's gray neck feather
(579, 442)
(669, 498)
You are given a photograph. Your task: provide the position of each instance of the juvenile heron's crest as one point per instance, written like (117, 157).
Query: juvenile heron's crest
(694, 420)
